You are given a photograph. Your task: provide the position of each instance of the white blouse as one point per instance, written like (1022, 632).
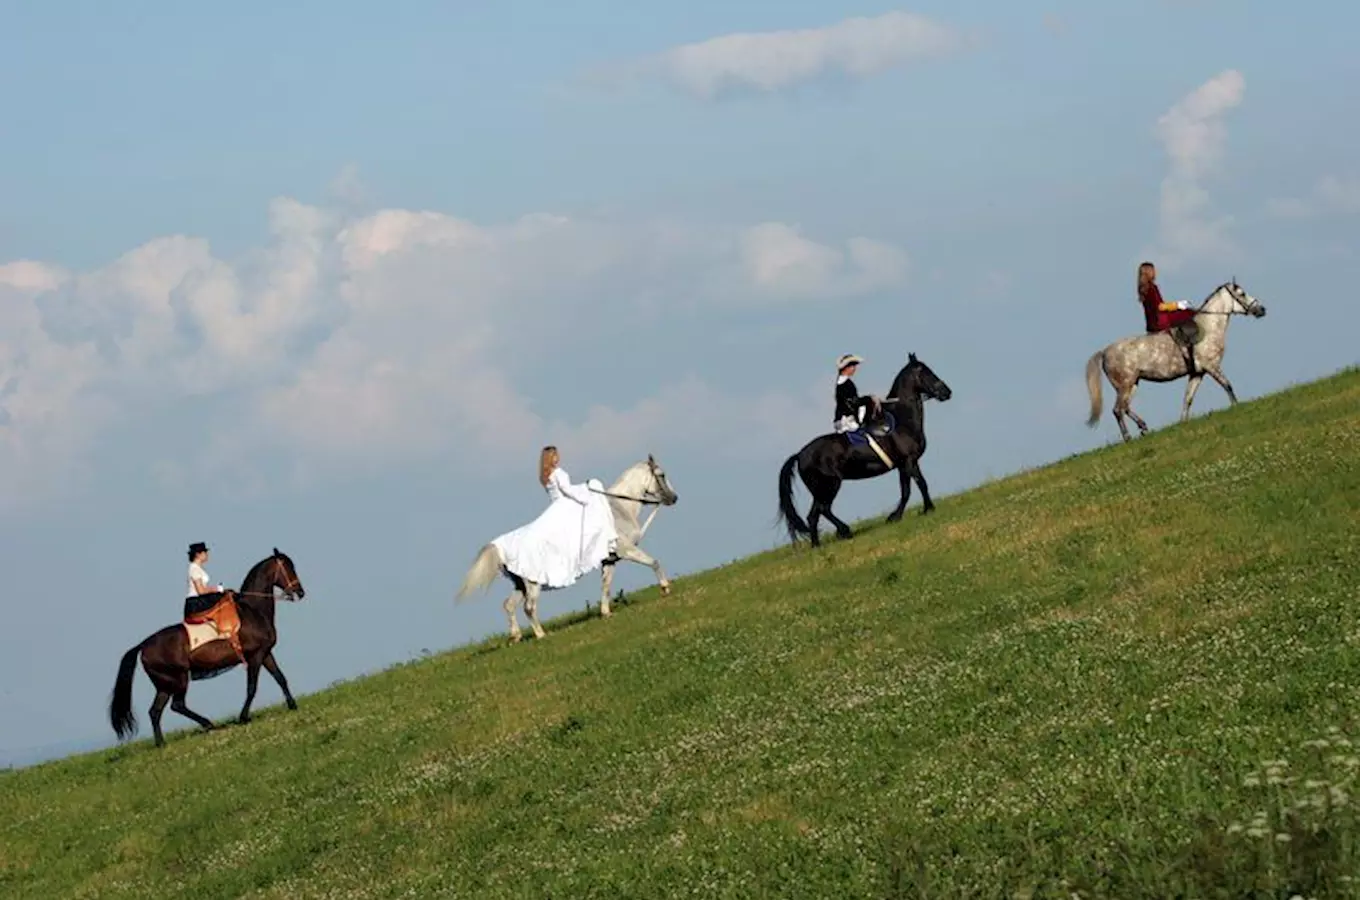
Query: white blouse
(559, 485)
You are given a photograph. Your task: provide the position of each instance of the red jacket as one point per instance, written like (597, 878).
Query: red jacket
(1155, 317)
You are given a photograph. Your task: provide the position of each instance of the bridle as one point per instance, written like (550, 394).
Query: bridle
(290, 586)
(1239, 308)
(649, 498)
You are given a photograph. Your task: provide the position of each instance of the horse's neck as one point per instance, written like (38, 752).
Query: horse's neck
(632, 483)
(257, 594)
(1219, 308)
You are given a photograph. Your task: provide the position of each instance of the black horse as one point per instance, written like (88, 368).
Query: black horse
(826, 461)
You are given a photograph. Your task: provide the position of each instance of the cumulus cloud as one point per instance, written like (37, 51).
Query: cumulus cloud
(1332, 195)
(1194, 136)
(772, 60)
(364, 341)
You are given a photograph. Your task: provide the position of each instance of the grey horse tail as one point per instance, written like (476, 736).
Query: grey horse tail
(1093, 386)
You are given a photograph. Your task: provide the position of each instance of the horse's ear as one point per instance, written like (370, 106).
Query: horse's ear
(651, 459)
(276, 551)
(911, 357)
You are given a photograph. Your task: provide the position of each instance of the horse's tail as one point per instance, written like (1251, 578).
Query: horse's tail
(120, 707)
(1093, 386)
(484, 571)
(788, 514)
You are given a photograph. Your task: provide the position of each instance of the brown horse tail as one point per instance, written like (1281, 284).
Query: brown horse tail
(788, 513)
(1093, 386)
(484, 571)
(120, 707)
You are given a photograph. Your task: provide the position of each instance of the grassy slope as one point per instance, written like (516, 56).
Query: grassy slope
(1061, 681)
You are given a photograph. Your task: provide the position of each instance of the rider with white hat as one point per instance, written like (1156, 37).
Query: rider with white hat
(851, 408)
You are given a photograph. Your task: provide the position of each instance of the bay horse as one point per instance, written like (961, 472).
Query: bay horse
(1163, 356)
(828, 460)
(641, 484)
(167, 661)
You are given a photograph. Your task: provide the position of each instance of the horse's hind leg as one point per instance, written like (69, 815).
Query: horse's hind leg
(823, 502)
(181, 707)
(510, 603)
(1123, 406)
(531, 594)
(157, 708)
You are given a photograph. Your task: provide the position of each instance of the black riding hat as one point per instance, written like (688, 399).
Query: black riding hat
(197, 548)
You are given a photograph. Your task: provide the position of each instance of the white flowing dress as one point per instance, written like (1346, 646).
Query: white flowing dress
(574, 535)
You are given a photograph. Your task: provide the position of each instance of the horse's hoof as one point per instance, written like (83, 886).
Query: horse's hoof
(292, 705)
(606, 613)
(894, 518)
(665, 590)
(927, 510)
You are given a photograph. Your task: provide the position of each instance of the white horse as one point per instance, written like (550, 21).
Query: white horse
(642, 484)
(1169, 355)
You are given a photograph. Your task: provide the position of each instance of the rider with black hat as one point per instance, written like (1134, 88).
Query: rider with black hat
(201, 596)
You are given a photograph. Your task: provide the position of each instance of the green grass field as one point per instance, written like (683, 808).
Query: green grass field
(1134, 673)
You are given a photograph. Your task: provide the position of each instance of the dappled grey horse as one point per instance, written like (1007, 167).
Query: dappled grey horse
(1170, 355)
(642, 484)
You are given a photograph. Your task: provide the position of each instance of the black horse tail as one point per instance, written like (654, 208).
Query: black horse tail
(120, 707)
(788, 514)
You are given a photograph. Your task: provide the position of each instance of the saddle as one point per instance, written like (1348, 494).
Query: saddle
(878, 428)
(220, 622)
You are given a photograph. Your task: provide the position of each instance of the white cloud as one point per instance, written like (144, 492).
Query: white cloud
(351, 343)
(1194, 136)
(1332, 195)
(772, 60)
(780, 261)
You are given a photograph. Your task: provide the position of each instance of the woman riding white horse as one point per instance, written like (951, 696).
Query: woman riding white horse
(573, 536)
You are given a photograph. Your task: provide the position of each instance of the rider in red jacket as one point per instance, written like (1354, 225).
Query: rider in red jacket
(1158, 314)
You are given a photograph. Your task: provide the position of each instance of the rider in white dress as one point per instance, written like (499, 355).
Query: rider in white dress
(574, 535)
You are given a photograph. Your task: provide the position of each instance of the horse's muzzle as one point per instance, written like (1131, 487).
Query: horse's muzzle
(1259, 310)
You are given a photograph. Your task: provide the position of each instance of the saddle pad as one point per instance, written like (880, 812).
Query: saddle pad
(202, 633)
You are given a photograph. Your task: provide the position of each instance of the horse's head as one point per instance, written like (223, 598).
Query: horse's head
(284, 576)
(1249, 304)
(660, 486)
(1240, 302)
(925, 380)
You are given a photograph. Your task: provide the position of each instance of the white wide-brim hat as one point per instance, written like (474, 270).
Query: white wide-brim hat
(848, 359)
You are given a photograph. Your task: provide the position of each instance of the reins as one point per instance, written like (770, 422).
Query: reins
(289, 587)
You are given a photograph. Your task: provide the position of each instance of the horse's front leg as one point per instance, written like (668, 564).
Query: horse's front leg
(272, 667)
(927, 505)
(253, 664)
(606, 585)
(1217, 375)
(1191, 386)
(904, 480)
(642, 557)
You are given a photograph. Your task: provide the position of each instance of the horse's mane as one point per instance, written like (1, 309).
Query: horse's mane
(255, 570)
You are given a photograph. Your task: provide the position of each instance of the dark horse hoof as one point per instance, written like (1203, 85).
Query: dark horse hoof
(927, 510)
(894, 517)
(292, 704)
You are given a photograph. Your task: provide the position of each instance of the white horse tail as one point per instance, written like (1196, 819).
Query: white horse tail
(484, 571)
(1093, 386)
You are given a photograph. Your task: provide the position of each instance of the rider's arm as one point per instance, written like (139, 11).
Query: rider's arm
(578, 492)
(1155, 295)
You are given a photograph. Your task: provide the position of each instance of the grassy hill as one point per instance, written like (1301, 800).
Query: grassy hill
(1134, 673)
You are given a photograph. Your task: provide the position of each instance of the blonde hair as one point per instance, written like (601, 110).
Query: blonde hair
(1144, 276)
(547, 461)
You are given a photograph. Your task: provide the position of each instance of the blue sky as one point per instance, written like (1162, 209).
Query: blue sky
(325, 277)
